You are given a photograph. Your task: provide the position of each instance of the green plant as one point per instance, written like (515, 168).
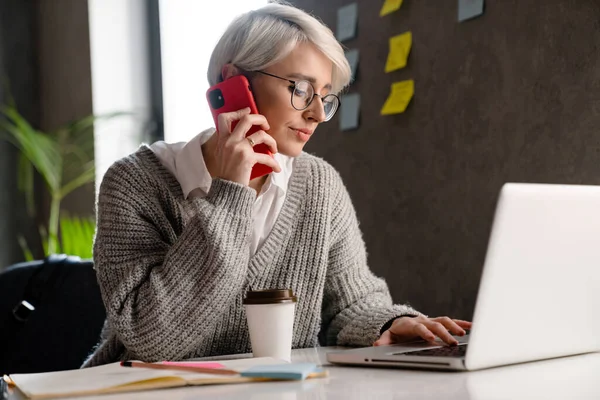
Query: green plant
(65, 160)
(77, 235)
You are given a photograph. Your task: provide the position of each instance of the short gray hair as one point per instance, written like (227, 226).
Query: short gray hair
(262, 37)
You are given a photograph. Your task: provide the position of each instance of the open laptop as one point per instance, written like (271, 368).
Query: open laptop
(539, 295)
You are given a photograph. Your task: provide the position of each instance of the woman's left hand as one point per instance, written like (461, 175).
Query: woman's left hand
(405, 329)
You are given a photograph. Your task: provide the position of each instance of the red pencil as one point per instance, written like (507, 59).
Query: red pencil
(215, 371)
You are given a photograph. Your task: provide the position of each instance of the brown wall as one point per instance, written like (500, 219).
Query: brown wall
(65, 86)
(510, 96)
(17, 80)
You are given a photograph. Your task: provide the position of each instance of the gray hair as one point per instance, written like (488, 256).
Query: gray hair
(262, 37)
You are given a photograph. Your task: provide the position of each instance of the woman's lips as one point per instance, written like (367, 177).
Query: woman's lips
(302, 134)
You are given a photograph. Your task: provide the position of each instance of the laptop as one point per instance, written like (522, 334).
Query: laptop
(539, 294)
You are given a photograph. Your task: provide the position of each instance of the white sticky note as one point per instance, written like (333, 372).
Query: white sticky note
(350, 111)
(468, 9)
(347, 18)
(352, 57)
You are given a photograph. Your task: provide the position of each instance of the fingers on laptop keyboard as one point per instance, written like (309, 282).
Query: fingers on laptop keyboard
(440, 330)
(451, 325)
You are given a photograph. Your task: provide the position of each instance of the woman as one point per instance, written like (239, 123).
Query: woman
(182, 232)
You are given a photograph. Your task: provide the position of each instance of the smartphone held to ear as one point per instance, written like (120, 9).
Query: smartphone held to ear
(231, 95)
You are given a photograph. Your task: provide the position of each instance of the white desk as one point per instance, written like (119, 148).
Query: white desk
(570, 378)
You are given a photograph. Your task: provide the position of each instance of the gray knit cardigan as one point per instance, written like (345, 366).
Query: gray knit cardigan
(173, 272)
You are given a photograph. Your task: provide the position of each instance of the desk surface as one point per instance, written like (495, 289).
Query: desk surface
(571, 378)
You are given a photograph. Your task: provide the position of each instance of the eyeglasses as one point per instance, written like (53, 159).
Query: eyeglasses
(303, 94)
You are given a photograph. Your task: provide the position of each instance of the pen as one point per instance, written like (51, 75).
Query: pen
(9, 382)
(215, 371)
(5, 384)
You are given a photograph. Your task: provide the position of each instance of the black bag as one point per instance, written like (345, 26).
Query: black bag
(51, 315)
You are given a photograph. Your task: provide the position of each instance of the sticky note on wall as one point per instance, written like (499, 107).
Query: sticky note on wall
(389, 6)
(400, 95)
(352, 57)
(400, 46)
(468, 9)
(350, 111)
(347, 18)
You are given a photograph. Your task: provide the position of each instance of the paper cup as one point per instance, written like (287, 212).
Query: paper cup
(270, 315)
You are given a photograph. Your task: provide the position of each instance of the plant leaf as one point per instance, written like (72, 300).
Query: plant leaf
(81, 132)
(25, 182)
(77, 235)
(25, 248)
(44, 236)
(86, 176)
(41, 150)
(65, 155)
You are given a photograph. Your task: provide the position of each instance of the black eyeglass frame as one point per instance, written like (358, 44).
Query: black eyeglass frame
(315, 94)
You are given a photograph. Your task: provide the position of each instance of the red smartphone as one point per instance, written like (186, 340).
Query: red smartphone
(235, 94)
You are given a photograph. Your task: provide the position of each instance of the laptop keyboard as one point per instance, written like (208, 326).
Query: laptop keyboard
(446, 351)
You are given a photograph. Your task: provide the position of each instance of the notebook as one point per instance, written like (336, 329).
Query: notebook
(113, 378)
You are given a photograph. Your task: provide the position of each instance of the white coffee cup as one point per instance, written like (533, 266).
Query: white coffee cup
(270, 315)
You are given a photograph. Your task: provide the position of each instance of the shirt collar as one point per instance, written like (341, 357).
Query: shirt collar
(192, 172)
(281, 179)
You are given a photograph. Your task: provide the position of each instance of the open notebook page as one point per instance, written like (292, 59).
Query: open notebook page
(113, 377)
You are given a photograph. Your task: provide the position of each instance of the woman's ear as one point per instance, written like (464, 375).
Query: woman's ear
(229, 70)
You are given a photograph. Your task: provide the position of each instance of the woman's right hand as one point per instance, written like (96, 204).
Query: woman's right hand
(235, 154)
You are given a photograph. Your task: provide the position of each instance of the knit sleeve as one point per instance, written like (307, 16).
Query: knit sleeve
(164, 293)
(356, 303)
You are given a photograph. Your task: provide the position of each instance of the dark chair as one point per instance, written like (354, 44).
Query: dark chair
(51, 314)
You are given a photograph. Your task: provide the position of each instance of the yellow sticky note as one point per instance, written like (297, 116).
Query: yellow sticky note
(389, 6)
(399, 97)
(399, 50)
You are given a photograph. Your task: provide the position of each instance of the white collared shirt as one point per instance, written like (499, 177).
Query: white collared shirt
(186, 163)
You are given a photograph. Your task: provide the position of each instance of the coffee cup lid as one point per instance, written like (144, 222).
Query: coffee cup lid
(270, 296)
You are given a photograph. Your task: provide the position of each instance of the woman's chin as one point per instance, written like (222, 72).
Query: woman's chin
(290, 151)
(290, 148)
